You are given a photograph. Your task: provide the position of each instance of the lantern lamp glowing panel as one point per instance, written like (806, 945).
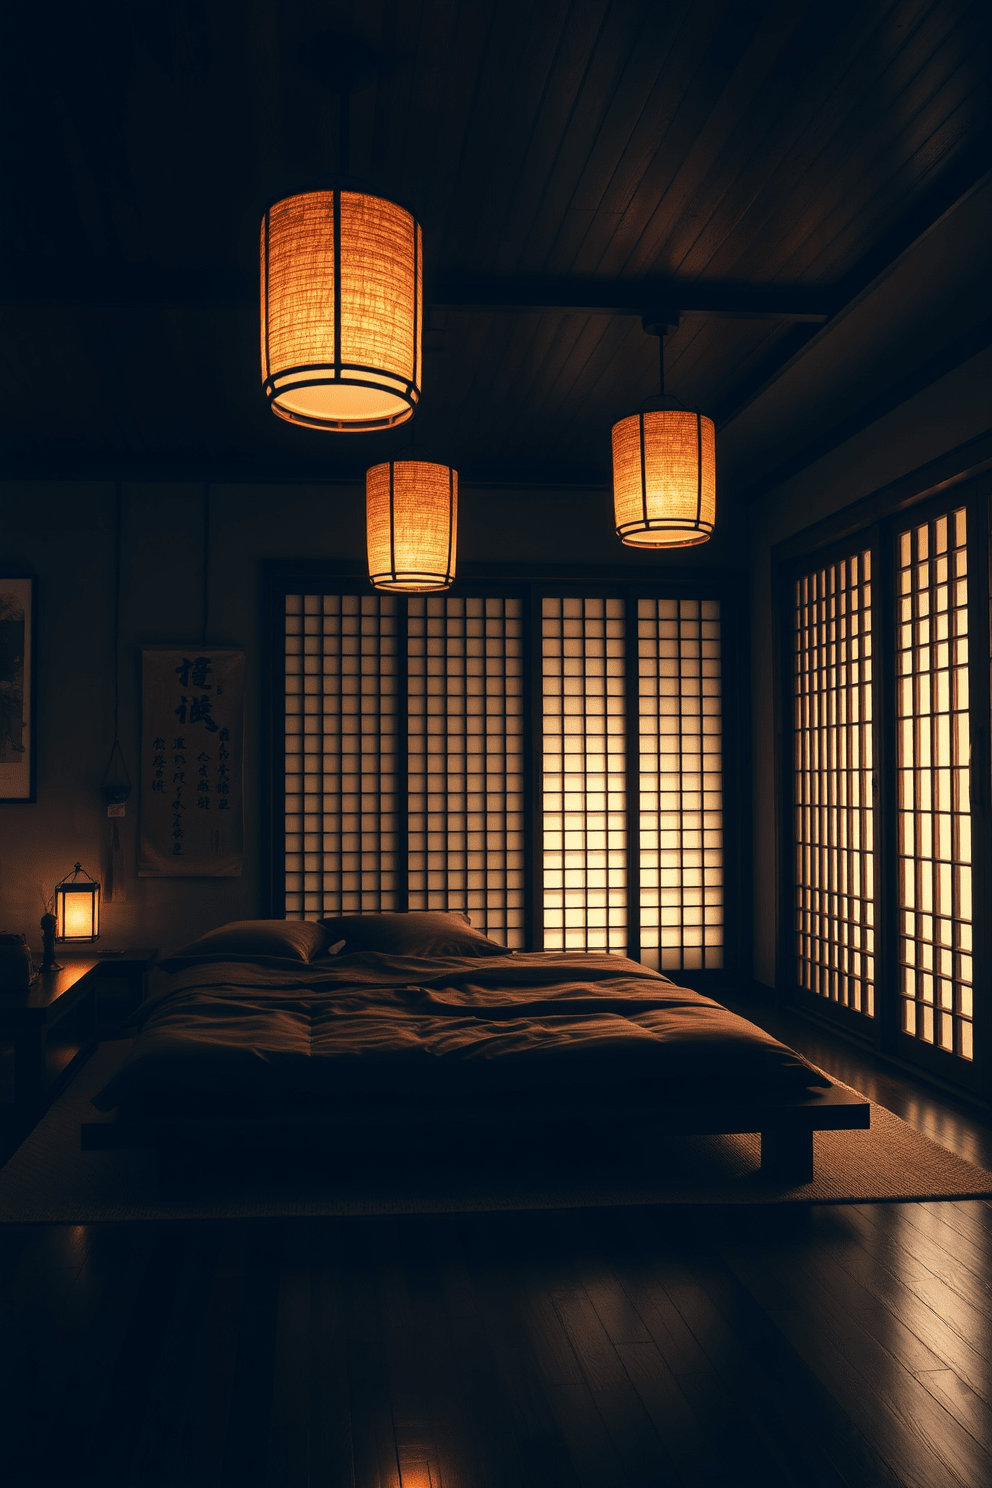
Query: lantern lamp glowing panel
(342, 310)
(664, 478)
(412, 525)
(77, 908)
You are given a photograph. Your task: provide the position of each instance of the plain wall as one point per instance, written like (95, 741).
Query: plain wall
(64, 533)
(937, 420)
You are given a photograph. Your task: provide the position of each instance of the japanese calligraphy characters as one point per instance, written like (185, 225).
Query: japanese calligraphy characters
(191, 815)
(17, 749)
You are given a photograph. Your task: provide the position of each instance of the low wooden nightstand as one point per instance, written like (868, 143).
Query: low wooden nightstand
(45, 1034)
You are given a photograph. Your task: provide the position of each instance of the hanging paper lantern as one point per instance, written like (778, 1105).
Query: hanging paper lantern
(412, 521)
(664, 478)
(342, 310)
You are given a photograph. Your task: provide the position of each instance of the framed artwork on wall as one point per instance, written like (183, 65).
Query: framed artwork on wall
(192, 745)
(18, 687)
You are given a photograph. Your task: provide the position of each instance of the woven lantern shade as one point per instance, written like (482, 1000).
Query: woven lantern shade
(412, 522)
(664, 478)
(342, 310)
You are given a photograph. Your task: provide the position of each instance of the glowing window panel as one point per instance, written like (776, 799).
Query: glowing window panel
(584, 775)
(932, 758)
(465, 758)
(681, 783)
(341, 736)
(834, 817)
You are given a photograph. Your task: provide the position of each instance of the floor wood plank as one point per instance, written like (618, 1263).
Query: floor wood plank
(831, 1346)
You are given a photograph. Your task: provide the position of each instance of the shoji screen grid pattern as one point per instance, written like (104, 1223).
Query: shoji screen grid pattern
(584, 775)
(834, 817)
(341, 736)
(465, 757)
(934, 820)
(680, 783)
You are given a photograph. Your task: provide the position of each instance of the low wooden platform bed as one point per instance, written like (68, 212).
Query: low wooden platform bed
(297, 1037)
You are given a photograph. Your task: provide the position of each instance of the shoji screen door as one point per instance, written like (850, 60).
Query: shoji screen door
(553, 764)
(888, 823)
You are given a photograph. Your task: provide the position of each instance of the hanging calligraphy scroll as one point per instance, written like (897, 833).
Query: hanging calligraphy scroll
(18, 630)
(192, 736)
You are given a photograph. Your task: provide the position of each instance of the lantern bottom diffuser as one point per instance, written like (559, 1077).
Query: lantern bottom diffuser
(346, 407)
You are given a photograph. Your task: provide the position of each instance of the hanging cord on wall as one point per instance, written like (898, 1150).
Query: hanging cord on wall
(116, 787)
(205, 607)
(117, 614)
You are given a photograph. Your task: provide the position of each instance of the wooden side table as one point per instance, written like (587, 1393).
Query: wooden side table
(45, 1033)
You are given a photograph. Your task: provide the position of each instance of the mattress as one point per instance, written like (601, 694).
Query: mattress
(392, 1032)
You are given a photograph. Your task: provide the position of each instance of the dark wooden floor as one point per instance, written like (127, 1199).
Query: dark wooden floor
(812, 1346)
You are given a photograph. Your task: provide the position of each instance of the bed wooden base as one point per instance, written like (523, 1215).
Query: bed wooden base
(185, 1148)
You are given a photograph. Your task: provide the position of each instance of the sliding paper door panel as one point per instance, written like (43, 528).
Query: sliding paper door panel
(680, 783)
(550, 764)
(932, 761)
(465, 758)
(341, 754)
(834, 825)
(584, 775)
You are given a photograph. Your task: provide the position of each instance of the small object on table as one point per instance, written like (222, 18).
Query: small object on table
(15, 964)
(48, 927)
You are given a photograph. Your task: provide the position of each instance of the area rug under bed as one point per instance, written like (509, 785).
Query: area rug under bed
(51, 1180)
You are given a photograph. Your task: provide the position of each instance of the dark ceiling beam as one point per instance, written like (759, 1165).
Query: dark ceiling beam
(974, 341)
(452, 292)
(629, 297)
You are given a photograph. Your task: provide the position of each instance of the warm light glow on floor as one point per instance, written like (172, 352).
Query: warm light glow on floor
(417, 1475)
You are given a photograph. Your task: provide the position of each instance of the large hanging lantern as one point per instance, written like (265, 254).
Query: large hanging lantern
(664, 466)
(77, 907)
(342, 310)
(412, 525)
(664, 478)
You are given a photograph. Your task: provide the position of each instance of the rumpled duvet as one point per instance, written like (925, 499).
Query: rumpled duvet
(395, 1032)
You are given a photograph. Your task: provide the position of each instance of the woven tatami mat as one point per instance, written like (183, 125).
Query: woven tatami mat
(50, 1179)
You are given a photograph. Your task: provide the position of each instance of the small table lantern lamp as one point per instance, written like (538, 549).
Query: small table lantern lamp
(77, 907)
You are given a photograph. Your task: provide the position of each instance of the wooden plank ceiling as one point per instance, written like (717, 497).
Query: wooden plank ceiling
(588, 148)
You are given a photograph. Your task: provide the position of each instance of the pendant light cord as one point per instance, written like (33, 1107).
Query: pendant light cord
(344, 132)
(205, 608)
(116, 753)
